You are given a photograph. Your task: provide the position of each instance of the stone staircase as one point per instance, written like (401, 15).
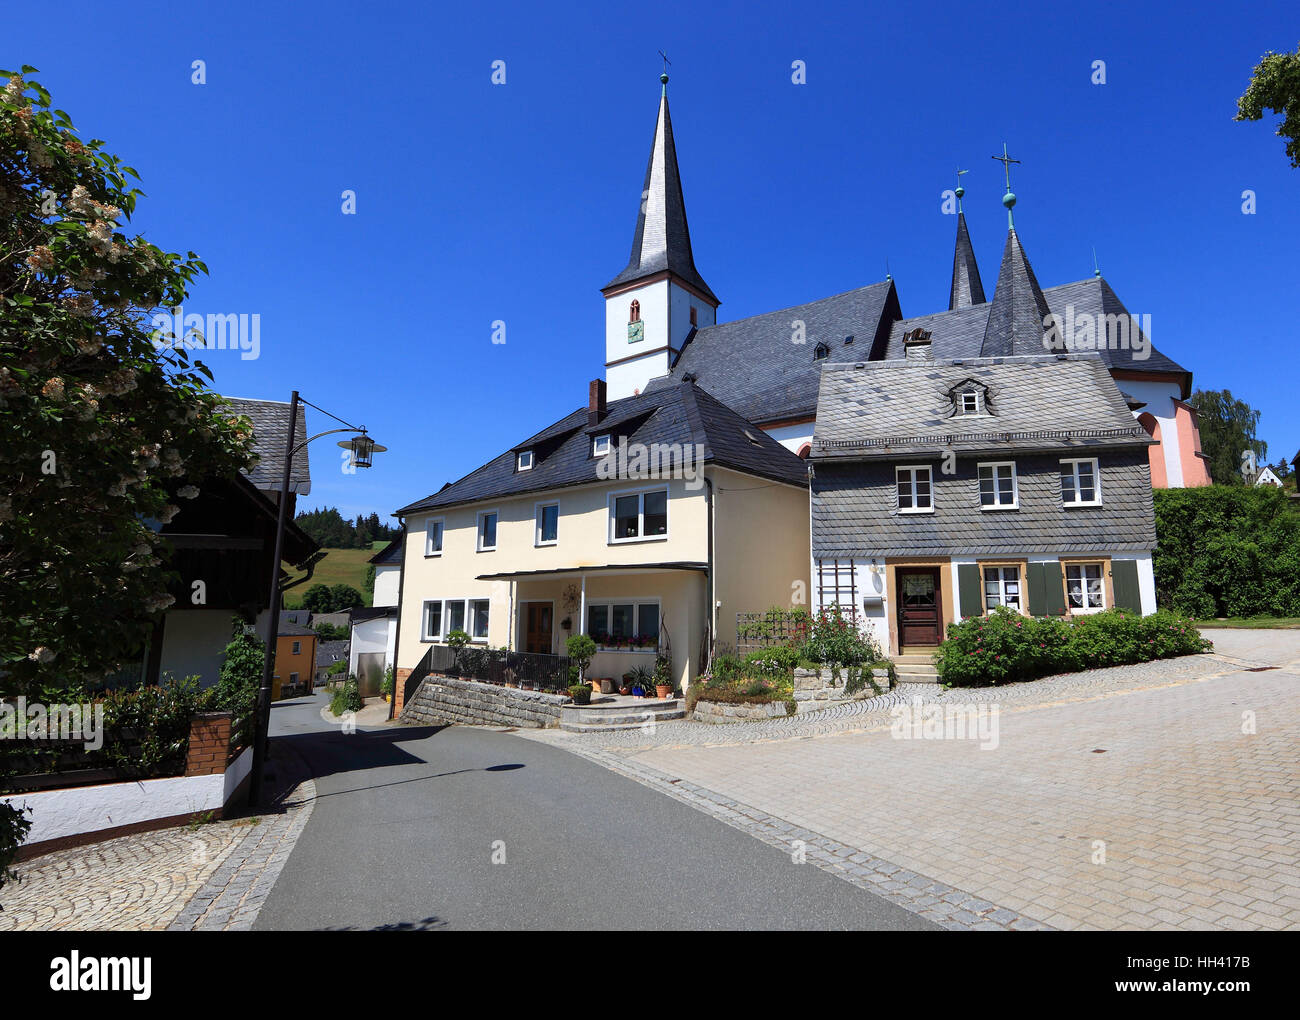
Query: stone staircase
(615, 712)
(916, 666)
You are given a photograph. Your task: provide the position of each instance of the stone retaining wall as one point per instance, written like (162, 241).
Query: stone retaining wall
(443, 699)
(814, 689)
(725, 712)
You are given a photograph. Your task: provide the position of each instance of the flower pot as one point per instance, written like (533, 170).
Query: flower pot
(638, 691)
(625, 690)
(664, 691)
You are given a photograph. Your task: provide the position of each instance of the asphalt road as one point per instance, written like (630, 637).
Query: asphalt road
(407, 821)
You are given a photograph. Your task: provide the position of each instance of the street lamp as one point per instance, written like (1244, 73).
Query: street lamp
(363, 449)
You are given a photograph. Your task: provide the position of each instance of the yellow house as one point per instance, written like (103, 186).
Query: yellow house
(647, 523)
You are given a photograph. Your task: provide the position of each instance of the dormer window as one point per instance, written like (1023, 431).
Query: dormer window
(524, 461)
(821, 351)
(600, 445)
(969, 402)
(969, 399)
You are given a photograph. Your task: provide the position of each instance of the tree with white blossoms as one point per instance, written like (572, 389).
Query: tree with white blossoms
(106, 424)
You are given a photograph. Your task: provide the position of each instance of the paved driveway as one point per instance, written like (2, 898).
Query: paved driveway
(1156, 796)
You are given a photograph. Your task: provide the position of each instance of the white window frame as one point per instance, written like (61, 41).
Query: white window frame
(441, 524)
(912, 469)
(1074, 463)
(524, 460)
(425, 635)
(601, 445)
(478, 530)
(537, 523)
(970, 391)
(1083, 579)
(469, 619)
(444, 615)
(640, 535)
(1015, 485)
(636, 603)
(1001, 569)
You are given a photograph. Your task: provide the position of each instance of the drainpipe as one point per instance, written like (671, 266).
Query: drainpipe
(397, 638)
(710, 509)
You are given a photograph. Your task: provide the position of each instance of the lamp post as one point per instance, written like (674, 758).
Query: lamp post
(363, 450)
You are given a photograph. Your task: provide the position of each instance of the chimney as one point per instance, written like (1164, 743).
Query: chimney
(595, 402)
(916, 345)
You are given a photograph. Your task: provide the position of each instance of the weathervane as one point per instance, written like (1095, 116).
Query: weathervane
(1009, 199)
(960, 190)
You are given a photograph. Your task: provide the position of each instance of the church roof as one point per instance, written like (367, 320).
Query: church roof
(758, 366)
(681, 414)
(270, 420)
(662, 240)
(967, 289)
(960, 333)
(1017, 316)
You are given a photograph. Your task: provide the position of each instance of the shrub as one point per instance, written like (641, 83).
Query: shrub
(773, 661)
(581, 649)
(1227, 550)
(834, 639)
(389, 683)
(581, 694)
(14, 827)
(1005, 647)
(347, 697)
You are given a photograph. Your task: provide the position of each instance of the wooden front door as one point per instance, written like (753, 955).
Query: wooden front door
(537, 627)
(919, 614)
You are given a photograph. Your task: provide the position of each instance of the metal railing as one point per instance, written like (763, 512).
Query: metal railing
(528, 670)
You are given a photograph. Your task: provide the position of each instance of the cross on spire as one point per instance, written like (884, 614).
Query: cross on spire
(666, 60)
(960, 190)
(1009, 199)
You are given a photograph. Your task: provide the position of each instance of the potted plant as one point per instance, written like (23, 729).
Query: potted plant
(387, 685)
(663, 677)
(625, 688)
(641, 678)
(581, 651)
(581, 694)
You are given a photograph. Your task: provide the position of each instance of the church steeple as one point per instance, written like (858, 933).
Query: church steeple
(967, 289)
(1018, 315)
(657, 302)
(662, 240)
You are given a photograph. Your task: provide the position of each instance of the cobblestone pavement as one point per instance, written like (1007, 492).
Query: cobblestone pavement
(1121, 798)
(206, 877)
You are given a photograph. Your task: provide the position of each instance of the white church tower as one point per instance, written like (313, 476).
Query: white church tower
(652, 306)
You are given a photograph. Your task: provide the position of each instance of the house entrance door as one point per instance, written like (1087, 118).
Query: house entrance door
(537, 626)
(919, 621)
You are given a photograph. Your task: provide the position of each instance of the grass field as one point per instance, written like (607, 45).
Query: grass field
(340, 566)
(1254, 623)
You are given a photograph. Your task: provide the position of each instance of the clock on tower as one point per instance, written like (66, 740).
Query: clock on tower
(635, 331)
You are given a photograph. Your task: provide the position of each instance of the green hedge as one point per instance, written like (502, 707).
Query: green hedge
(1005, 647)
(1227, 551)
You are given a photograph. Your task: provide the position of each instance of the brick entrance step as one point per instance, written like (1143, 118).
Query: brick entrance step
(916, 666)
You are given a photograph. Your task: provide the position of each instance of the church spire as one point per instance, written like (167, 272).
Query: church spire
(662, 240)
(1018, 315)
(967, 289)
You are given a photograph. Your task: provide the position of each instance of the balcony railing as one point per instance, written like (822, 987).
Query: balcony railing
(527, 670)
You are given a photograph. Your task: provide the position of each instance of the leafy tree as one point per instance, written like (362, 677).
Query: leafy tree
(344, 596)
(318, 599)
(1275, 86)
(1227, 431)
(329, 632)
(105, 420)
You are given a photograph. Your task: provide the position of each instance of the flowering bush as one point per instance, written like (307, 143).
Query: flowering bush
(1005, 647)
(834, 639)
(105, 430)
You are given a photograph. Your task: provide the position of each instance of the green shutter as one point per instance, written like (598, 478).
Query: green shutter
(1037, 589)
(1124, 580)
(969, 590)
(1053, 585)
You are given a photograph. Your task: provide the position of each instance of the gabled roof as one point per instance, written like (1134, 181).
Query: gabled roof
(960, 333)
(888, 409)
(389, 555)
(681, 414)
(966, 287)
(329, 652)
(662, 240)
(270, 429)
(755, 367)
(1018, 314)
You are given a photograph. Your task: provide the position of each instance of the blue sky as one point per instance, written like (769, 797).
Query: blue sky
(478, 202)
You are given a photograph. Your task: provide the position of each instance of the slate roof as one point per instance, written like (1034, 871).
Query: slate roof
(754, 367)
(329, 652)
(967, 289)
(885, 409)
(682, 414)
(389, 555)
(662, 240)
(960, 333)
(270, 427)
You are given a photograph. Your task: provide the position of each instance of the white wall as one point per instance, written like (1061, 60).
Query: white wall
(387, 580)
(792, 437)
(666, 315)
(378, 635)
(194, 641)
(1159, 398)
